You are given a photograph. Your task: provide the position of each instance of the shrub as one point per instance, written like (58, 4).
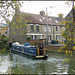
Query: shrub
(29, 38)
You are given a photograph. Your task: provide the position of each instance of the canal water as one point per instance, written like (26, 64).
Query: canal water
(12, 63)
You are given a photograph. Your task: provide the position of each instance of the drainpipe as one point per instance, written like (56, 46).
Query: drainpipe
(47, 26)
(53, 32)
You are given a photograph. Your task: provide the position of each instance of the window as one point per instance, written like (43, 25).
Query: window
(40, 19)
(0, 28)
(40, 36)
(50, 28)
(22, 49)
(37, 28)
(13, 47)
(50, 19)
(34, 37)
(56, 28)
(17, 48)
(32, 28)
(50, 37)
(57, 37)
(56, 21)
(45, 28)
(60, 28)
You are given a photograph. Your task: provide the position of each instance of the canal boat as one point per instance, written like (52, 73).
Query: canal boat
(32, 51)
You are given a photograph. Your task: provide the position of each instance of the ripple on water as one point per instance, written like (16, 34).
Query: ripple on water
(52, 65)
(17, 59)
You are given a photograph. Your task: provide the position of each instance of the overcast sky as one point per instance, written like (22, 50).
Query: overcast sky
(36, 6)
(53, 7)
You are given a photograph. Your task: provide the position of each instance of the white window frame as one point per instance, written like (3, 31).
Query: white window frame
(58, 37)
(45, 28)
(40, 36)
(50, 29)
(60, 28)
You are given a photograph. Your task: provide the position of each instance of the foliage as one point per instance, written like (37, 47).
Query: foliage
(10, 12)
(7, 9)
(70, 30)
(3, 38)
(29, 38)
(6, 13)
(60, 15)
(3, 43)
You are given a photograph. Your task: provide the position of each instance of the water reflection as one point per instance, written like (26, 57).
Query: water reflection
(5, 63)
(52, 65)
(19, 64)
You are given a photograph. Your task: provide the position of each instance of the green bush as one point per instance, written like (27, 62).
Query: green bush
(3, 41)
(29, 38)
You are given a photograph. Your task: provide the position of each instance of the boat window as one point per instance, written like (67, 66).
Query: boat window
(17, 48)
(13, 47)
(22, 49)
(28, 50)
(32, 51)
(25, 50)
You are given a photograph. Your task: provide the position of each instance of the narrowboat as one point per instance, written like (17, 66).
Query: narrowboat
(32, 51)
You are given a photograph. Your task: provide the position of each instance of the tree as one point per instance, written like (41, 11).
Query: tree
(60, 15)
(10, 9)
(7, 9)
(70, 29)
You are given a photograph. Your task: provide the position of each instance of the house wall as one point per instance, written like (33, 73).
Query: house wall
(17, 35)
(44, 33)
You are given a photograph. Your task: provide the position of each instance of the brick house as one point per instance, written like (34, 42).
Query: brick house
(36, 27)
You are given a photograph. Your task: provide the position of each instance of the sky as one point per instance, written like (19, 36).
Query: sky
(53, 7)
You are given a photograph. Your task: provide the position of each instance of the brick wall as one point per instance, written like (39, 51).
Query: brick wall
(35, 42)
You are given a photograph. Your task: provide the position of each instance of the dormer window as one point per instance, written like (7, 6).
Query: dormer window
(50, 19)
(43, 18)
(31, 24)
(56, 21)
(40, 19)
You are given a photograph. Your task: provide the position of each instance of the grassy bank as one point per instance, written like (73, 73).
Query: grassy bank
(2, 46)
(66, 52)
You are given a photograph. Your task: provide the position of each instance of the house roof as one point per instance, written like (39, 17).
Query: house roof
(43, 20)
(3, 25)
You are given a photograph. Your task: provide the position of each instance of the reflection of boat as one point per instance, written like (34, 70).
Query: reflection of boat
(27, 49)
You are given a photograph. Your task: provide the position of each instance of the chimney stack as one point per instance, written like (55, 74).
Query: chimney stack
(42, 13)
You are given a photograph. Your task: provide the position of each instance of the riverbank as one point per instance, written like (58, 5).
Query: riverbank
(66, 52)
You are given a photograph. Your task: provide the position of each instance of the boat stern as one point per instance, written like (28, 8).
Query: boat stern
(41, 57)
